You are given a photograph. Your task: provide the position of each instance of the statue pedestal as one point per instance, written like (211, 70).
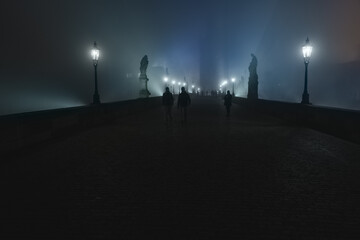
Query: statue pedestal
(253, 87)
(144, 92)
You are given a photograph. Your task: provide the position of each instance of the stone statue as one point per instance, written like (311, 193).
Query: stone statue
(144, 92)
(143, 65)
(253, 79)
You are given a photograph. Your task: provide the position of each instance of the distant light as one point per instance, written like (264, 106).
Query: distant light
(95, 53)
(192, 86)
(179, 83)
(198, 89)
(173, 82)
(307, 51)
(166, 79)
(233, 79)
(184, 84)
(223, 83)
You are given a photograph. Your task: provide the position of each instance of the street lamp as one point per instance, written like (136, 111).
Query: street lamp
(233, 86)
(95, 53)
(307, 50)
(224, 84)
(166, 81)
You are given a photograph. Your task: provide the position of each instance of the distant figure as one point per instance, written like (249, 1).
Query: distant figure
(183, 102)
(168, 102)
(228, 102)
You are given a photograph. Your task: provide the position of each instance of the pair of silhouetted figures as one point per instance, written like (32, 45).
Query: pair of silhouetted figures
(183, 102)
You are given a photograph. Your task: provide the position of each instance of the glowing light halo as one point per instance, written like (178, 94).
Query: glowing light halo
(307, 51)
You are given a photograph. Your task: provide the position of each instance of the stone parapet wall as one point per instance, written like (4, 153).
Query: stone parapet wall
(26, 129)
(341, 123)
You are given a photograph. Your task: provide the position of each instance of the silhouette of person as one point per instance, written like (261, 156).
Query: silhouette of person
(183, 102)
(168, 102)
(228, 102)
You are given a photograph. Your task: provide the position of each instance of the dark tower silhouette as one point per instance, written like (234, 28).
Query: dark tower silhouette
(253, 79)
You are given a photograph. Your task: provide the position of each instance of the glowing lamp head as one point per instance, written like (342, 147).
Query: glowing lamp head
(307, 51)
(184, 84)
(233, 80)
(166, 79)
(95, 53)
(179, 83)
(198, 89)
(173, 82)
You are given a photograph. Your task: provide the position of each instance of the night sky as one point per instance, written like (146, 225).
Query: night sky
(46, 63)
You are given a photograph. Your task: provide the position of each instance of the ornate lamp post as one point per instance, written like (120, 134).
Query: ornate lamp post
(307, 50)
(95, 53)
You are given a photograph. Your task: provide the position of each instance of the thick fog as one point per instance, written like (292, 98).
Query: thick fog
(45, 58)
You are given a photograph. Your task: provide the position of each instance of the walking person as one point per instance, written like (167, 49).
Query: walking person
(183, 102)
(227, 103)
(168, 102)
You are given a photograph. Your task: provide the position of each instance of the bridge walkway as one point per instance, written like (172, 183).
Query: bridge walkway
(247, 177)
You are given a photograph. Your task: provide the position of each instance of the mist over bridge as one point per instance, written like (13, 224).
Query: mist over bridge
(251, 176)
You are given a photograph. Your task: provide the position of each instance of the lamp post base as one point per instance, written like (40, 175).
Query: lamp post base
(96, 98)
(305, 98)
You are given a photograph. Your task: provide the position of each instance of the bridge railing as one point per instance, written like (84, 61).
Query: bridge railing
(26, 129)
(341, 123)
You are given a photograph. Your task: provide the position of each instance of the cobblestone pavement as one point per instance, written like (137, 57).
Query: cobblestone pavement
(247, 177)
